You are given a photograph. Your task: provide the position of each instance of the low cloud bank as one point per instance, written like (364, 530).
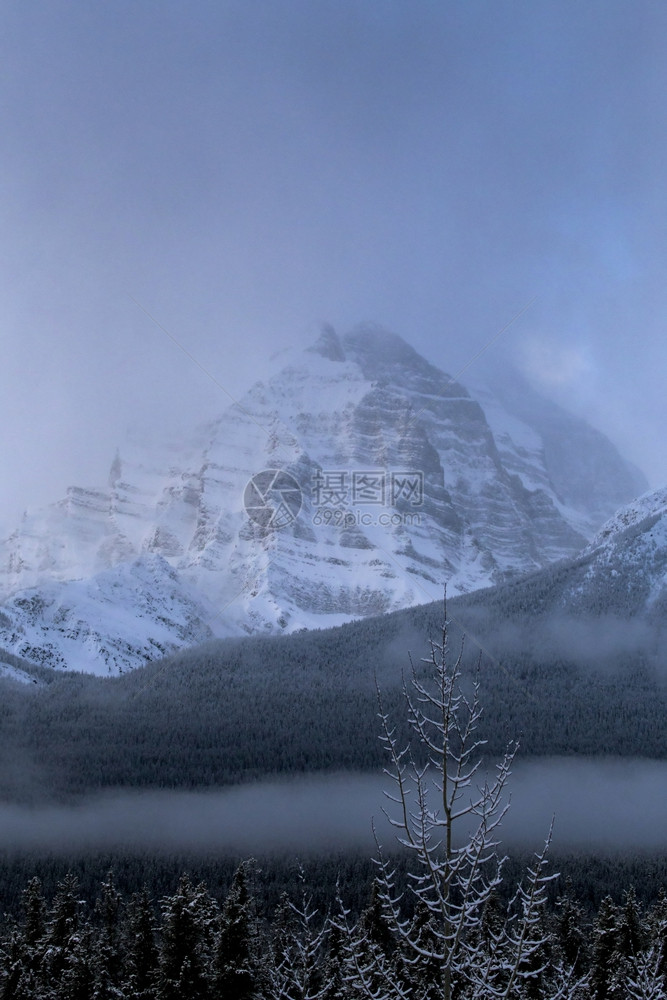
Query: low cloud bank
(316, 813)
(597, 641)
(599, 805)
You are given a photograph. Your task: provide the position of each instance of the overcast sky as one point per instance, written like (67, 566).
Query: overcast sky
(247, 170)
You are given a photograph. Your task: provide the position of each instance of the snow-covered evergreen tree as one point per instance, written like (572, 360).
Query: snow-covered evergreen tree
(107, 959)
(67, 966)
(334, 985)
(657, 934)
(141, 953)
(639, 965)
(34, 917)
(14, 976)
(24, 950)
(571, 937)
(189, 926)
(604, 951)
(238, 968)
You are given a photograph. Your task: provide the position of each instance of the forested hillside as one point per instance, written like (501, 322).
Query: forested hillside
(446, 917)
(234, 710)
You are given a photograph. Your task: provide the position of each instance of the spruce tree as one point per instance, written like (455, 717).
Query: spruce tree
(631, 934)
(77, 981)
(141, 953)
(189, 919)
(26, 947)
(107, 953)
(656, 927)
(65, 964)
(14, 976)
(34, 916)
(237, 968)
(334, 985)
(604, 951)
(298, 951)
(571, 937)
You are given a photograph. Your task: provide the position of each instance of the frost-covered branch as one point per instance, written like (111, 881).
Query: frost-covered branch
(447, 820)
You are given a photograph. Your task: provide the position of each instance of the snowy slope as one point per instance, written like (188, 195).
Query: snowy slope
(616, 586)
(627, 558)
(636, 517)
(165, 555)
(122, 616)
(17, 676)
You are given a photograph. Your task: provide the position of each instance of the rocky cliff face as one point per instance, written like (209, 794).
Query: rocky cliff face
(401, 482)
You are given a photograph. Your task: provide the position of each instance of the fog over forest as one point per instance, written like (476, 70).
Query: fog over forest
(602, 805)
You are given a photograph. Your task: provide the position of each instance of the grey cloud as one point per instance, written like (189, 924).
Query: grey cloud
(246, 171)
(601, 805)
(601, 642)
(598, 804)
(317, 813)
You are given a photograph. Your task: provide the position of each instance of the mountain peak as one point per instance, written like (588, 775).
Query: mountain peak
(429, 489)
(371, 341)
(369, 344)
(328, 344)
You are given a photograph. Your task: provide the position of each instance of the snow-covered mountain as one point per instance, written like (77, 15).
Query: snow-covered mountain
(635, 519)
(626, 561)
(389, 479)
(614, 592)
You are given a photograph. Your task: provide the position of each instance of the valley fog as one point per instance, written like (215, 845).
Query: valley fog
(599, 805)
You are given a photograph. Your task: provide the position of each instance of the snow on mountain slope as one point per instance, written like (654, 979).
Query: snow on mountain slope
(632, 518)
(131, 613)
(406, 482)
(545, 444)
(627, 559)
(17, 676)
(615, 587)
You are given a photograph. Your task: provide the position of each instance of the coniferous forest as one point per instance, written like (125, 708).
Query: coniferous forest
(441, 914)
(234, 711)
(190, 943)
